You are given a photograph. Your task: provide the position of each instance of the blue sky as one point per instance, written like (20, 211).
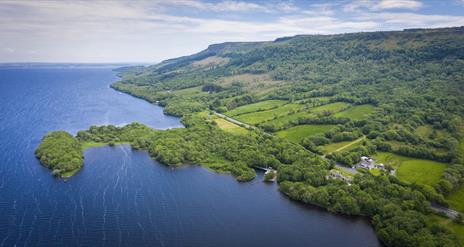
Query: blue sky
(151, 31)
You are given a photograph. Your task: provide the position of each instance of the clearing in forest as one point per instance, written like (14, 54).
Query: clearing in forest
(340, 146)
(262, 116)
(332, 107)
(297, 133)
(357, 112)
(259, 106)
(230, 127)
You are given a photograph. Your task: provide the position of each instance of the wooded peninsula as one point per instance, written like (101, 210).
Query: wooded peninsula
(363, 124)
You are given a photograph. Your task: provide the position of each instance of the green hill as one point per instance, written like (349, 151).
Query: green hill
(399, 92)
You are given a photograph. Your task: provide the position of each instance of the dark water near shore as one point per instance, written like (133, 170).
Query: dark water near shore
(122, 197)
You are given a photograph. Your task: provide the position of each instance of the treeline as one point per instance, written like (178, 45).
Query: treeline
(397, 210)
(202, 142)
(60, 152)
(301, 175)
(452, 179)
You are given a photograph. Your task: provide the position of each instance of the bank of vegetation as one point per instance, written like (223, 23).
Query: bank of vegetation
(60, 152)
(341, 96)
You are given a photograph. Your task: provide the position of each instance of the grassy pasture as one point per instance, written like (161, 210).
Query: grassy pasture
(426, 130)
(259, 106)
(189, 92)
(349, 145)
(262, 116)
(260, 84)
(329, 148)
(357, 112)
(413, 170)
(332, 107)
(297, 133)
(288, 118)
(209, 61)
(230, 127)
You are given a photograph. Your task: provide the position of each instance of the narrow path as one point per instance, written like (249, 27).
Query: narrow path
(349, 144)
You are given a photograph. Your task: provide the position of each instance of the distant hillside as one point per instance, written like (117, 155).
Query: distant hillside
(420, 65)
(412, 78)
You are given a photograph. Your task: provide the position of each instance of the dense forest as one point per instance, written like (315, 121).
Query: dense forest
(398, 210)
(315, 103)
(60, 152)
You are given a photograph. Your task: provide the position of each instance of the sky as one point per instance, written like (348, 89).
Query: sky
(150, 31)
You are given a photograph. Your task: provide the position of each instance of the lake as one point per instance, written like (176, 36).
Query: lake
(123, 198)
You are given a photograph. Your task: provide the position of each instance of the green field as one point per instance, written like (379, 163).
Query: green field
(456, 199)
(426, 130)
(356, 112)
(413, 170)
(394, 160)
(284, 119)
(297, 133)
(230, 127)
(188, 92)
(331, 147)
(260, 106)
(259, 117)
(333, 107)
(288, 118)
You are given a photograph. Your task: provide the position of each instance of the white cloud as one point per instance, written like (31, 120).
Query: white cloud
(319, 10)
(155, 30)
(359, 5)
(399, 4)
(220, 6)
(409, 20)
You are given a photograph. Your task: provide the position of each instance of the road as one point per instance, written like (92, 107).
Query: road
(449, 212)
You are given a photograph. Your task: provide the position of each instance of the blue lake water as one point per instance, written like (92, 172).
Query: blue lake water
(123, 198)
